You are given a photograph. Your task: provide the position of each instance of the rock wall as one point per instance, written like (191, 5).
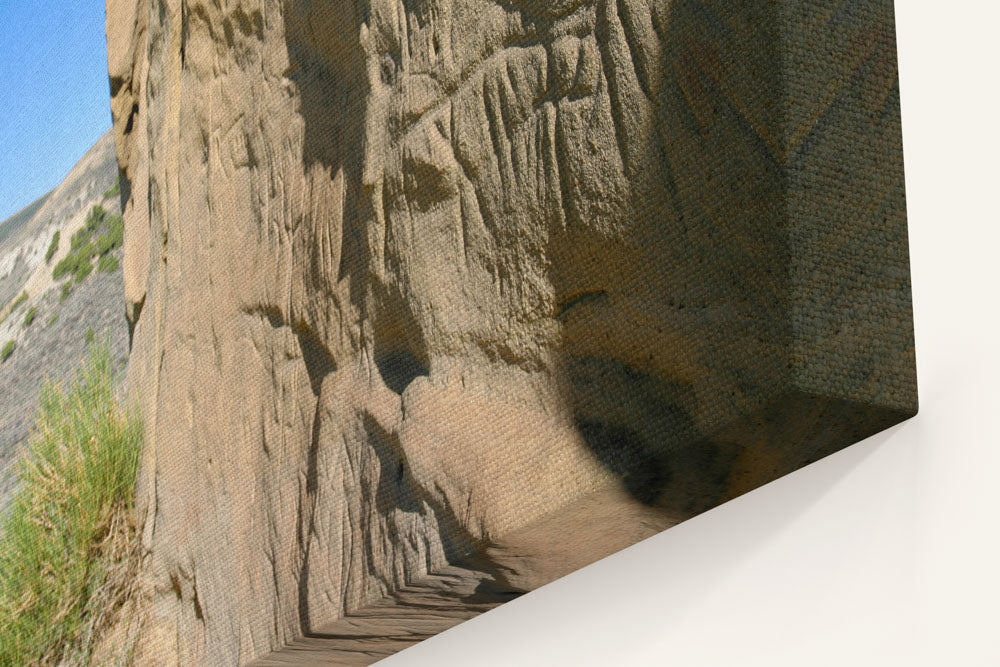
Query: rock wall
(406, 275)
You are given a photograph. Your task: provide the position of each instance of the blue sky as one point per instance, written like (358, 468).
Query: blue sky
(53, 93)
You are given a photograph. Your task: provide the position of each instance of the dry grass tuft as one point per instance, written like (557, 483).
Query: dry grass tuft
(69, 549)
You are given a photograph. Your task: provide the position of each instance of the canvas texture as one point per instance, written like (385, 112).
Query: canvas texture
(423, 304)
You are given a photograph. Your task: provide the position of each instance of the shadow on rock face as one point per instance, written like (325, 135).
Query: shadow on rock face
(636, 425)
(395, 487)
(672, 312)
(624, 452)
(399, 368)
(327, 66)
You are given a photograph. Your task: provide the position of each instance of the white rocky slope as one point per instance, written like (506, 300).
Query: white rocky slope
(51, 345)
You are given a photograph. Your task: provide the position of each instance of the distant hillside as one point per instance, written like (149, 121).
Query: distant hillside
(48, 315)
(88, 179)
(25, 236)
(22, 217)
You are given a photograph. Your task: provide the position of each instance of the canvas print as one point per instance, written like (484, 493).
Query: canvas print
(364, 317)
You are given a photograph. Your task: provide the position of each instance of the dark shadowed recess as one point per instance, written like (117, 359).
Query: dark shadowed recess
(677, 249)
(398, 348)
(399, 368)
(394, 488)
(316, 355)
(634, 423)
(326, 63)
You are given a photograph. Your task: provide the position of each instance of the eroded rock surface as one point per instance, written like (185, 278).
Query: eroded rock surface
(572, 537)
(406, 276)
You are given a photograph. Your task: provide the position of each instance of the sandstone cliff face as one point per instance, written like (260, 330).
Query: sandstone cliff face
(406, 275)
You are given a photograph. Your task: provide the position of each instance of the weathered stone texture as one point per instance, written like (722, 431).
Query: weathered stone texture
(406, 275)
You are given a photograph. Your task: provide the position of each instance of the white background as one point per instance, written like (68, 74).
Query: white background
(887, 553)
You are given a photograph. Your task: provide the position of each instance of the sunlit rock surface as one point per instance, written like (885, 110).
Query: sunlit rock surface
(407, 276)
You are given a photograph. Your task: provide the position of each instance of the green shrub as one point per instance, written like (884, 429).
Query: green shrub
(64, 266)
(83, 269)
(94, 218)
(21, 298)
(53, 247)
(66, 289)
(8, 349)
(52, 320)
(29, 317)
(113, 237)
(107, 264)
(114, 190)
(84, 246)
(68, 528)
(79, 238)
(89, 336)
(71, 263)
